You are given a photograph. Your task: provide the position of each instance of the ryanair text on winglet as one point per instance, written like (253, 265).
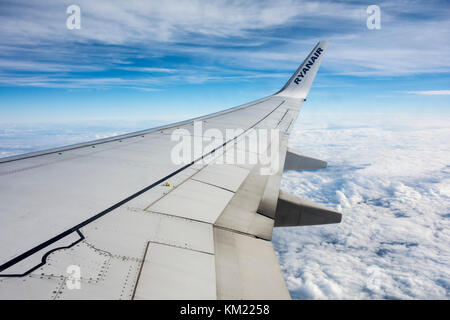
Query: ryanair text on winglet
(308, 65)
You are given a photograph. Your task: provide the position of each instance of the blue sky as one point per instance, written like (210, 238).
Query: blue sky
(139, 60)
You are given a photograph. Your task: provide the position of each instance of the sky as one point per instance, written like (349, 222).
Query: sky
(378, 112)
(166, 61)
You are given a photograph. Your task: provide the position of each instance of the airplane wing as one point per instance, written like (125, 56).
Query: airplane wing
(161, 213)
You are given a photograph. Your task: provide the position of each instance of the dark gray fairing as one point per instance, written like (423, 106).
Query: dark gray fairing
(297, 161)
(294, 211)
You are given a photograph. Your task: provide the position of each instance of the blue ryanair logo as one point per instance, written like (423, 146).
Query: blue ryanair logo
(308, 65)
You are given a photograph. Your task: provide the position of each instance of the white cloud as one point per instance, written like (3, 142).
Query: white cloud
(390, 178)
(149, 70)
(261, 35)
(431, 92)
(117, 22)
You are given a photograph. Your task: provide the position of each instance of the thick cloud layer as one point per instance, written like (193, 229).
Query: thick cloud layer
(388, 174)
(390, 177)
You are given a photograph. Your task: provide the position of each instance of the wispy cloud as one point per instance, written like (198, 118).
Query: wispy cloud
(431, 92)
(238, 36)
(149, 70)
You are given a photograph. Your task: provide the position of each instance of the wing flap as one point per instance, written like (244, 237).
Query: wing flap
(174, 273)
(247, 268)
